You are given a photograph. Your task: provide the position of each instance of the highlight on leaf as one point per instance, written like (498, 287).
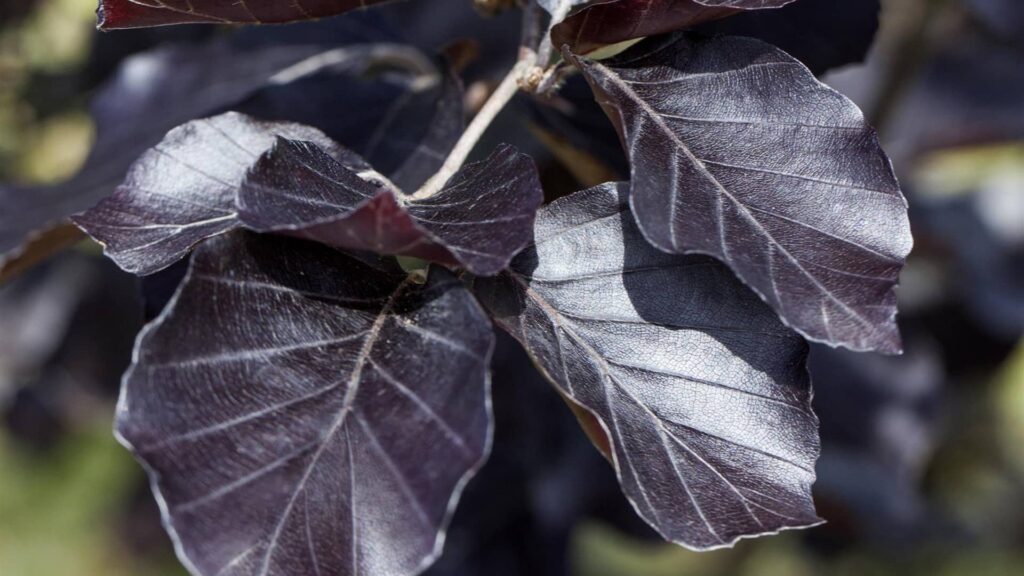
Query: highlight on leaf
(182, 191)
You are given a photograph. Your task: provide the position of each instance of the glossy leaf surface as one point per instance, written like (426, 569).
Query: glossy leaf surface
(612, 21)
(304, 412)
(738, 152)
(702, 392)
(115, 14)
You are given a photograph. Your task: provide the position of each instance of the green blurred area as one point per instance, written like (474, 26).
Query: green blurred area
(60, 512)
(44, 135)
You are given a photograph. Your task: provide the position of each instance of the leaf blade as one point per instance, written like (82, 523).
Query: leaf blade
(781, 178)
(281, 406)
(715, 363)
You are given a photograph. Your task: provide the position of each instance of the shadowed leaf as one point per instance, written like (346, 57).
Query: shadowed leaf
(737, 151)
(702, 392)
(283, 436)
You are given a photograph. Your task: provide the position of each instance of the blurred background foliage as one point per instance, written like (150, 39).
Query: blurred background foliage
(922, 471)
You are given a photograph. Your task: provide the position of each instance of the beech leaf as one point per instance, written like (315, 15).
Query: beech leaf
(183, 190)
(211, 176)
(282, 436)
(737, 151)
(117, 14)
(479, 220)
(702, 392)
(612, 21)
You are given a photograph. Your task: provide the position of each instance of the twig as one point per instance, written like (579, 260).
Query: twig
(501, 96)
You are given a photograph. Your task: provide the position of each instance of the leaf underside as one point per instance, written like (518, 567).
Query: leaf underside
(117, 14)
(613, 21)
(737, 151)
(701, 391)
(304, 412)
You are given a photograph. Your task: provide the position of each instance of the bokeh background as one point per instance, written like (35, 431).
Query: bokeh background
(922, 469)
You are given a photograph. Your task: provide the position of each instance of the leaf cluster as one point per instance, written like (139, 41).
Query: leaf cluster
(316, 394)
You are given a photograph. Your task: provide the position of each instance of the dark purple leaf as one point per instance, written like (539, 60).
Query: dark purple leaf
(183, 190)
(479, 220)
(738, 152)
(116, 14)
(612, 21)
(410, 107)
(283, 436)
(702, 392)
(211, 176)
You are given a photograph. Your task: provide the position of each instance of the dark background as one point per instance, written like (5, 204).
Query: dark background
(922, 467)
